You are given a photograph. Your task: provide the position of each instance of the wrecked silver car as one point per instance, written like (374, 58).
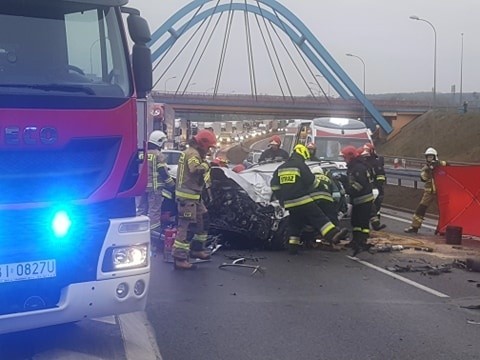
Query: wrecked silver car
(242, 205)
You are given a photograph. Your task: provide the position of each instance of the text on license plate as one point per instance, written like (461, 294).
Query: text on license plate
(28, 270)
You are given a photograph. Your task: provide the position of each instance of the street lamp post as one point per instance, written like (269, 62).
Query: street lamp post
(170, 78)
(415, 17)
(461, 72)
(364, 93)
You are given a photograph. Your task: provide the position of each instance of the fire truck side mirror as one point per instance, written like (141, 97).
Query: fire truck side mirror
(141, 54)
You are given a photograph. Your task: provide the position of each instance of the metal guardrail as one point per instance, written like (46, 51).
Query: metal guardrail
(406, 162)
(406, 171)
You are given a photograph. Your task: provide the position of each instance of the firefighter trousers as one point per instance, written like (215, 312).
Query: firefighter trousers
(427, 199)
(330, 210)
(308, 214)
(151, 204)
(190, 214)
(361, 222)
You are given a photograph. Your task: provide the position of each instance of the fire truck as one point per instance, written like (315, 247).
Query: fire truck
(74, 115)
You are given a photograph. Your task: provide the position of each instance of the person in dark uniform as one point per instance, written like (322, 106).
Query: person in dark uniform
(358, 185)
(274, 153)
(376, 167)
(292, 183)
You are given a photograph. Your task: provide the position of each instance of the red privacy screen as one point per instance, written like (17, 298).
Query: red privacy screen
(458, 191)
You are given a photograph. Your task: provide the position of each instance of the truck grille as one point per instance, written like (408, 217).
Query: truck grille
(73, 172)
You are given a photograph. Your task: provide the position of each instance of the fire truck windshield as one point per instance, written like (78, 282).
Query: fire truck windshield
(73, 49)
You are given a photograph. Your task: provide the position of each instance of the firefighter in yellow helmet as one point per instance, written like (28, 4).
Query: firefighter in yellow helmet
(192, 178)
(292, 183)
(160, 183)
(429, 190)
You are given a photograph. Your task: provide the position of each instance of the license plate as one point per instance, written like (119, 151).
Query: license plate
(29, 270)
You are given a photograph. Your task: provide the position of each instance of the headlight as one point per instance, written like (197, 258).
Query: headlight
(126, 257)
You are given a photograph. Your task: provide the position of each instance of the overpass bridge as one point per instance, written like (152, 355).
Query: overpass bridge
(287, 46)
(202, 107)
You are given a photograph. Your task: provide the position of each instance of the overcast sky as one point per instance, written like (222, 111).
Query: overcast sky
(398, 52)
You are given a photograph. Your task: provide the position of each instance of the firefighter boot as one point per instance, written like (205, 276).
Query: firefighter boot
(200, 254)
(334, 236)
(293, 249)
(182, 264)
(411, 230)
(360, 243)
(197, 250)
(376, 225)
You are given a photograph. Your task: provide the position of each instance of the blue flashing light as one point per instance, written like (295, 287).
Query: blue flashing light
(61, 224)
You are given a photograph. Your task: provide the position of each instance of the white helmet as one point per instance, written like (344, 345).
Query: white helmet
(431, 151)
(317, 170)
(158, 138)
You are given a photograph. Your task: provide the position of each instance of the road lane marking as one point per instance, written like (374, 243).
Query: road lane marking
(401, 278)
(138, 337)
(407, 221)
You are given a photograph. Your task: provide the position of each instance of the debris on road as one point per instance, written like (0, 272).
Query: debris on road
(423, 269)
(240, 262)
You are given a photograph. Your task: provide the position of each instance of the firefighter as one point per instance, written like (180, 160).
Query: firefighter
(429, 190)
(323, 195)
(160, 183)
(292, 183)
(274, 153)
(358, 185)
(312, 149)
(376, 167)
(192, 177)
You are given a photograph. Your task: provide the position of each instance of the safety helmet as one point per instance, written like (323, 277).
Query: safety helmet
(349, 153)
(302, 151)
(317, 170)
(431, 151)
(275, 140)
(238, 168)
(311, 146)
(158, 138)
(205, 139)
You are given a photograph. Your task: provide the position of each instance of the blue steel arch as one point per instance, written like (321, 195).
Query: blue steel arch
(303, 38)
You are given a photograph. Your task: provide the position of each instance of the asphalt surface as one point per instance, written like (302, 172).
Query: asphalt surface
(317, 305)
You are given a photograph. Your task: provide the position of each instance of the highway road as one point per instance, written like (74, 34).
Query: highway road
(318, 305)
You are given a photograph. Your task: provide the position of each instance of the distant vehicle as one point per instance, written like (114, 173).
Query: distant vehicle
(225, 138)
(329, 134)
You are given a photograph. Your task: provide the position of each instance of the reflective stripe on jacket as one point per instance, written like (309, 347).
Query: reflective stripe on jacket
(359, 185)
(293, 182)
(191, 175)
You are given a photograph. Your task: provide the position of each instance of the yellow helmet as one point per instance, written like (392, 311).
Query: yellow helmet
(302, 151)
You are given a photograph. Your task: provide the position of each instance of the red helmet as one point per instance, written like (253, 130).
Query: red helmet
(275, 140)
(349, 153)
(238, 168)
(205, 139)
